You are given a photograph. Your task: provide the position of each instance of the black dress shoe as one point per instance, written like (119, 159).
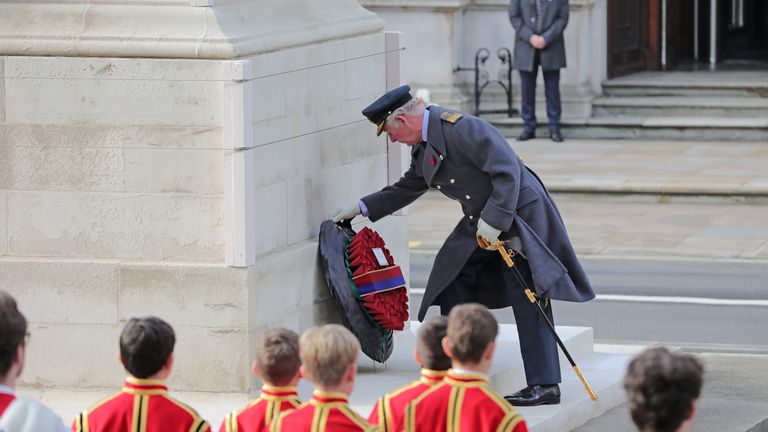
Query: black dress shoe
(536, 395)
(526, 135)
(555, 136)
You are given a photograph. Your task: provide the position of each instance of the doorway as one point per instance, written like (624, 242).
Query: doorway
(682, 35)
(737, 38)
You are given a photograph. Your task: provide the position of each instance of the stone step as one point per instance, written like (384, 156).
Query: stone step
(650, 128)
(603, 371)
(649, 89)
(700, 83)
(680, 107)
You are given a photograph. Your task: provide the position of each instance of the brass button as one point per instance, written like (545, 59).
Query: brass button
(441, 157)
(453, 180)
(438, 187)
(467, 197)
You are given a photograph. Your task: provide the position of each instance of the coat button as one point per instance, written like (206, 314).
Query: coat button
(441, 157)
(438, 187)
(453, 180)
(467, 197)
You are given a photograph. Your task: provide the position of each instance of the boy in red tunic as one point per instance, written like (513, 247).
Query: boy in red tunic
(143, 405)
(389, 409)
(464, 401)
(277, 362)
(329, 360)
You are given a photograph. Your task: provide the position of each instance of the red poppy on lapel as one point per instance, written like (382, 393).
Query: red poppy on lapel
(434, 161)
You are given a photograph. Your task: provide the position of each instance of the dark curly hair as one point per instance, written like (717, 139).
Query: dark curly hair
(661, 388)
(13, 330)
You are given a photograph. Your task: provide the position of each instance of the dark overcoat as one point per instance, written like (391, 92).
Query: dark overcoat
(522, 15)
(469, 161)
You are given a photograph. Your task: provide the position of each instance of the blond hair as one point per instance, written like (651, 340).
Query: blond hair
(277, 356)
(326, 352)
(471, 328)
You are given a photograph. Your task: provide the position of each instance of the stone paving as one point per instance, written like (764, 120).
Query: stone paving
(598, 182)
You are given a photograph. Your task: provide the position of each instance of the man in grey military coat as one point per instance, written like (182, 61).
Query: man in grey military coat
(539, 26)
(469, 161)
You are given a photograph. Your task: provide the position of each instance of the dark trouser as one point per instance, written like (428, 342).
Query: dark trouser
(551, 92)
(537, 345)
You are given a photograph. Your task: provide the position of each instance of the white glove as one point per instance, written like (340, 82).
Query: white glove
(487, 232)
(347, 212)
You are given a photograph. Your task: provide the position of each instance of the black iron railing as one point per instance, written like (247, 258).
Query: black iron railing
(482, 79)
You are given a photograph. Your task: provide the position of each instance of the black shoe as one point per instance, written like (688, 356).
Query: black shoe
(526, 135)
(536, 395)
(555, 136)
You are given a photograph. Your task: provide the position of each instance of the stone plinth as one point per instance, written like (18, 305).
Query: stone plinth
(180, 170)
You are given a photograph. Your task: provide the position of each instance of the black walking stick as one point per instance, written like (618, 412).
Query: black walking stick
(507, 255)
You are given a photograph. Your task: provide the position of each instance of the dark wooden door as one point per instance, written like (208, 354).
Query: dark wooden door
(627, 36)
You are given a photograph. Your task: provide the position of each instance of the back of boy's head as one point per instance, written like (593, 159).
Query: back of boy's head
(326, 353)
(429, 343)
(145, 345)
(277, 356)
(661, 388)
(13, 330)
(471, 328)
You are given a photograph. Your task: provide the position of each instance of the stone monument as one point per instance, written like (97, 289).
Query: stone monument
(176, 158)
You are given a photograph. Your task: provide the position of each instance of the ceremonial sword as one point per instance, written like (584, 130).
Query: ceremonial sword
(507, 256)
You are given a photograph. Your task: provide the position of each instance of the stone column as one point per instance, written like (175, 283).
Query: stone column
(433, 31)
(176, 158)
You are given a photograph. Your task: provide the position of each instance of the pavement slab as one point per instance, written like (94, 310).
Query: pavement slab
(651, 167)
(626, 225)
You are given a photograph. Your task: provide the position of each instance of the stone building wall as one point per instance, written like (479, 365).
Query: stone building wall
(444, 34)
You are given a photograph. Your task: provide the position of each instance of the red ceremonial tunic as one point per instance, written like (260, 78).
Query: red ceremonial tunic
(389, 409)
(462, 402)
(5, 400)
(326, 411)
(141, 406)
(257, 416)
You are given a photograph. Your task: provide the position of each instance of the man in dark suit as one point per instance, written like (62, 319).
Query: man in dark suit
(539, 26)
(469, 161)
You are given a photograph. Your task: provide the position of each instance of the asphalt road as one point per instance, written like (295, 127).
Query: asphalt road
(698, 305)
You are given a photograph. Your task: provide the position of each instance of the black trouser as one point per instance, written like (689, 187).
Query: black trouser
(551, 93)
(537, 345)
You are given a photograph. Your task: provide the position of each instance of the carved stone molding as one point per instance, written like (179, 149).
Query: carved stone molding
(197, 29)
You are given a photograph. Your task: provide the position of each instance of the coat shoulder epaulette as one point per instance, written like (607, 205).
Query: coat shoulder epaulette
(451, 116)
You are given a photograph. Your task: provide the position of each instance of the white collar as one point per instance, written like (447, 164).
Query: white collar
(458, 371)
(7, 390)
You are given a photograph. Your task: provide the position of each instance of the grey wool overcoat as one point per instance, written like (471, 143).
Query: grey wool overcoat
(522, 15)
(469, 161)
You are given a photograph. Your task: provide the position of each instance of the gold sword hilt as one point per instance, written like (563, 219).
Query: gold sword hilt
(506, 254)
